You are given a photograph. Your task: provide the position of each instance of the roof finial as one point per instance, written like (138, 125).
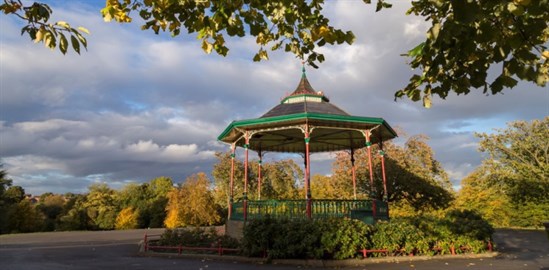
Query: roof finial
(303, 69)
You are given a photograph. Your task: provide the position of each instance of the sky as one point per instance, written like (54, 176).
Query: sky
(137, 105)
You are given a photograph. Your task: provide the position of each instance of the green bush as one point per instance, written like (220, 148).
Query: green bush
(469, 223)
(458, 231)
(342, 238)
(530, 214)
(328, 239)
(436, 233)
(400, 237)
(196, 237)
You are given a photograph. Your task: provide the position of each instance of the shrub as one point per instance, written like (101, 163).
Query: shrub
(342, 238)
(329, 239)
(258, 236)
(460, 230)
(196, 237)
(469, 223)
(399, 236)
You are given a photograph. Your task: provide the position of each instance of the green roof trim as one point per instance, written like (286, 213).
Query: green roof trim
(314, 116)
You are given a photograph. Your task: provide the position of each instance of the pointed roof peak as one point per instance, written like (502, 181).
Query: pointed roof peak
(304, 87)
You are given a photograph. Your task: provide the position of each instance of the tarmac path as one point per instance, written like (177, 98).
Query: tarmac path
(104, 250)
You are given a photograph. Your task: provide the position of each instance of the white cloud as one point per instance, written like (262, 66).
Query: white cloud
(415, 29)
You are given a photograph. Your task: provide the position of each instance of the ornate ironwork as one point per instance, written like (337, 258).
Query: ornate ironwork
(320, 209)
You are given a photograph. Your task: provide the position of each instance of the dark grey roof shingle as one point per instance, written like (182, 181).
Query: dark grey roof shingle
(305, 88)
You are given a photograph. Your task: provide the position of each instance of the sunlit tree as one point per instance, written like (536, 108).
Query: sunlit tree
(101, 207)
(414, 176)
(192, 204)
(127, 219)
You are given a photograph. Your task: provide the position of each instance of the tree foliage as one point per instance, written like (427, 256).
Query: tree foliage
(74, 215)
(279, 179)
(221, 173)
(23, 217)
(148, 200)
(519, 155)
(40, 30)
(101, 207)
(466, 38)
(127, 219)
(510, 188)
(413, 175)
(51, 205)
(192, 204)
(16, 212)
(478, 193)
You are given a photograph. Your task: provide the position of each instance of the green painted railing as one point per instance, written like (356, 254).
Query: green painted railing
(320, 209)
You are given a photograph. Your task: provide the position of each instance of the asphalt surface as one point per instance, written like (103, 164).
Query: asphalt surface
(518, 249)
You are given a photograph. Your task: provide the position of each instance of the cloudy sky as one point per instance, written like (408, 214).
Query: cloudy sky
(136, 105)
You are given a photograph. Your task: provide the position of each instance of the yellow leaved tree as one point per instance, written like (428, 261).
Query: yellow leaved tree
(192, 204)
(127, 219)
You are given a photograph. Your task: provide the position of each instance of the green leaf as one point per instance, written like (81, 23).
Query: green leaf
(414, 95)
(63, 24)
(382, 4)
(418, 50)
(263, 54)
(350, 37)
(465, 11)
(63, 44)
(435, 29)
(75, 44)
(49, 39)
(107, 13)
(427, 97)
(502, 81)
(207, 46)
(82, 40)
(85, 30)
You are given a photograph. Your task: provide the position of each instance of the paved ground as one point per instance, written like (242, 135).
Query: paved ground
(519, 249)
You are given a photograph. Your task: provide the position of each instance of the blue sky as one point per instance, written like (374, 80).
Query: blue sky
(136, 105)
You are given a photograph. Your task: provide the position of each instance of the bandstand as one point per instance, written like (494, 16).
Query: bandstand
(306, 122)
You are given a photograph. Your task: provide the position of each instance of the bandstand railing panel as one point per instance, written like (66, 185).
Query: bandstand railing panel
(320, 209)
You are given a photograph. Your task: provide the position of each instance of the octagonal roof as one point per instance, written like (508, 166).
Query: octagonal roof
(282, 128)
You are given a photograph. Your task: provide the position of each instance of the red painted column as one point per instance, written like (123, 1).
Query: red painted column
(308, 173)
(259, 176)
(385, 194)
(372, 189)
(245, 195)
(353, 171)
(231, 183)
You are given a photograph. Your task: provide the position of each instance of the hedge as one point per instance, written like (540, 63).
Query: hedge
(460, 231)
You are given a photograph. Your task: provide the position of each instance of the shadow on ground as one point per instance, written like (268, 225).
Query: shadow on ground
(523, 245)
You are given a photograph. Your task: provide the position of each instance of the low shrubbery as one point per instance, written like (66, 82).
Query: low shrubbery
(280, 238)
(457, 232)
(195, 237)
